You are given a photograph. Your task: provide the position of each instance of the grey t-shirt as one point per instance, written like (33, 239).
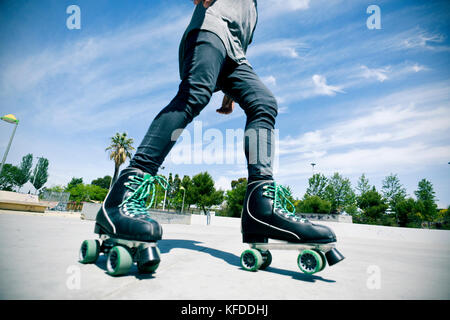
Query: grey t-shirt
(233, 21)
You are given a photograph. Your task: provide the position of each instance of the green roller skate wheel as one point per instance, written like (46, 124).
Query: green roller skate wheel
(309, 261)
(251, 260)
(89, 251)
(119, 261)
(267, 259)
(324, 259)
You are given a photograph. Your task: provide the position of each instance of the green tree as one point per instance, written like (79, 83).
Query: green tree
(393, 191)
(444, 219)
(119, 150)
(73, 183)
(40, 174)
(340, 194)
(235, 197)
(96, 193)
(175, 194)
(81, 192)
(203, 192)
(56, 188)
(104, 182)
(426, 201)
(186, 183)
(363, 184)
(8, 177)
(25, 170)
(317, 186)
(373, 206)
(405, 210)
(313, 204)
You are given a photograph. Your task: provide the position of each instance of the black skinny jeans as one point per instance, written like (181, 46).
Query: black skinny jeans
(206, 68)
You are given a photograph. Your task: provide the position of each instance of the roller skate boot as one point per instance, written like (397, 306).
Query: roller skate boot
(127, 232)
(268, 214)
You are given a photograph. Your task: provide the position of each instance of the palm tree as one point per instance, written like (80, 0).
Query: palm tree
(119, 151)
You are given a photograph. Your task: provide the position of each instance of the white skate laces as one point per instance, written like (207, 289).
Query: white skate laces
(280, 196)
(142, 189)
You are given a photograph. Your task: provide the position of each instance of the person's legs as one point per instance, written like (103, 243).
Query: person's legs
(242, 84)
(124, 212)
(203, 60)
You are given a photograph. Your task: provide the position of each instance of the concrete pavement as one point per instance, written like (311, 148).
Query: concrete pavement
(39, 260)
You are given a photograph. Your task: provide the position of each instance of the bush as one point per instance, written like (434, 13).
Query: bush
(313, 204)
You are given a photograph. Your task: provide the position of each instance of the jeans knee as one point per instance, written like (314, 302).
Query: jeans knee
(263, 111)
(272, 104)
(193, 99)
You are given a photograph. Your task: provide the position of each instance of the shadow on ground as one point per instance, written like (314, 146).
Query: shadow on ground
(167, 244)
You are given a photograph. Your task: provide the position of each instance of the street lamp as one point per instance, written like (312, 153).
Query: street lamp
(165, 193)
(34, 174)
(165, 196)
(184, 193)
(313, 164)
(10, 119)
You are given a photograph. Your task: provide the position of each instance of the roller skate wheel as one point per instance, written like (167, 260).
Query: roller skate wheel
(309, 261)
(89, 251)
(324, 259)
(119, 261)
(251, 260)
(267, 259)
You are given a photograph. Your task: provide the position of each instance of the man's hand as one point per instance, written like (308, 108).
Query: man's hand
(206, 3)
(227, 105)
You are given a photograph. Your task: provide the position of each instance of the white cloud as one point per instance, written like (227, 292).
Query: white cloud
(406, 158)
(283, 109)
(423, 39)
(322, 88)
(91, 83)
(402, 132)
(269, 80)
(270, 8)
(222, 183)
(288, 48)
(379, 74)
(417, 68)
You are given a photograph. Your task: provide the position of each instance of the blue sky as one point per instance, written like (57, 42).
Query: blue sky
(352, 100)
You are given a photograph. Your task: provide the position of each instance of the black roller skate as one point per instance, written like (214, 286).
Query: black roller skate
(127, 232)
(267, 213)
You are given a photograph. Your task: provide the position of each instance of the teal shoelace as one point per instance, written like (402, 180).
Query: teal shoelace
(142, 189)
(280, 196)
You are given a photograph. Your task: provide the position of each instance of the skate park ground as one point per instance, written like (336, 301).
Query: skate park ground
(39, 260)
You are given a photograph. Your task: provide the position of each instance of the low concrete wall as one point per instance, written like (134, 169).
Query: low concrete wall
(202, 219)
(170, 217)
(15, 196)
(89, 212)
(353, 230)
(236, 222)
(21, 202)
(326, 217)
(365, 231)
